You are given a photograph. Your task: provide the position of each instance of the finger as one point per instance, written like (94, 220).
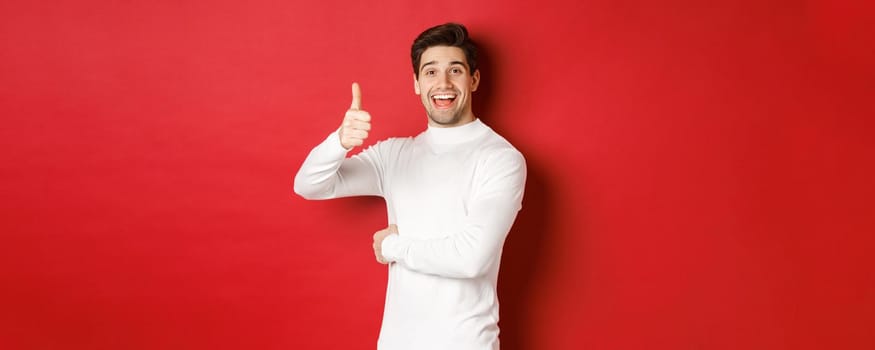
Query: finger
(352, 142)
(360, 115)
(354, 114)
(356, 134)
(351, 123)
(358, 125)
(356, 97)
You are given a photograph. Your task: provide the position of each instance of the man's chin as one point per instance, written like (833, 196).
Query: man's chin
(443, 119)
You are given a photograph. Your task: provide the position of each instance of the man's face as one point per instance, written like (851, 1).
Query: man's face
(445, 85)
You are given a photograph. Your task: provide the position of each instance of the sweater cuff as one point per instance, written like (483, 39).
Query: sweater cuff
(393, 247)
(332, 142)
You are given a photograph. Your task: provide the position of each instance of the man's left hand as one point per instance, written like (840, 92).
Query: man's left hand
(378, 242)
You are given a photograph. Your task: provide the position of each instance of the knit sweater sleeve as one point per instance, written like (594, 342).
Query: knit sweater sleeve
(472, 251)
(327, 172)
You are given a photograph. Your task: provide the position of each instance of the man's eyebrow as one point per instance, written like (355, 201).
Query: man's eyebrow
(459, 62)
(427, 63)
(435, 62)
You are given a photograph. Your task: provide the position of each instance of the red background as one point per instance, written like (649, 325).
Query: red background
(700, 173)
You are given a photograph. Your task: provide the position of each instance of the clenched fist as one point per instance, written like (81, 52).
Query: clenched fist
(378, 242)
(356, 122)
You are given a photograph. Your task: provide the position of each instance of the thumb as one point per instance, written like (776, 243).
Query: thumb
(356, 97)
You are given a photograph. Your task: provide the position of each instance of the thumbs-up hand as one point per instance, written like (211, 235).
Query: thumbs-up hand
(356, 122)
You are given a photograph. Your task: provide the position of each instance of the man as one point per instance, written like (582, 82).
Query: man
(452, 194)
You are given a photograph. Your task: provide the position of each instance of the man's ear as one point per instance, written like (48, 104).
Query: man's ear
(475, 80)
(415, 84)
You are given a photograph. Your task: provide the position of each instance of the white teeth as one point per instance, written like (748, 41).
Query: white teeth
(443, 97)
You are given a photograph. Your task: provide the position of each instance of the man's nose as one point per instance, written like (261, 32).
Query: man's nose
(443, 80)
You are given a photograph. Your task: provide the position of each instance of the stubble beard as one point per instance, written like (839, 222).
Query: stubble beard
(441, 118)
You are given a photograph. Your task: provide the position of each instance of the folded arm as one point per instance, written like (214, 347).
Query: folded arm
(472, 251)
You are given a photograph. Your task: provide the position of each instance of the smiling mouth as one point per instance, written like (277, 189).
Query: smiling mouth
(443, 100)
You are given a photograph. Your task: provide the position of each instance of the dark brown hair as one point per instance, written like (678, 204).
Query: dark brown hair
(449, 34)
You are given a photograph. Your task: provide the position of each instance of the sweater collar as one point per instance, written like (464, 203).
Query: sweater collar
(456, 134)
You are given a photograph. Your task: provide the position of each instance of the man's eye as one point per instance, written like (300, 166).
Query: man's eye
(456, 71)
(429, 72)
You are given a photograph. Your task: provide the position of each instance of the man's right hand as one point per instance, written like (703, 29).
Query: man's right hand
(356, 122)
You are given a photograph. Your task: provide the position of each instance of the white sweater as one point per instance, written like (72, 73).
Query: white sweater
(454, 194)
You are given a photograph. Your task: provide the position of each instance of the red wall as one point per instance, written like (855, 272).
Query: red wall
(701, 173)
